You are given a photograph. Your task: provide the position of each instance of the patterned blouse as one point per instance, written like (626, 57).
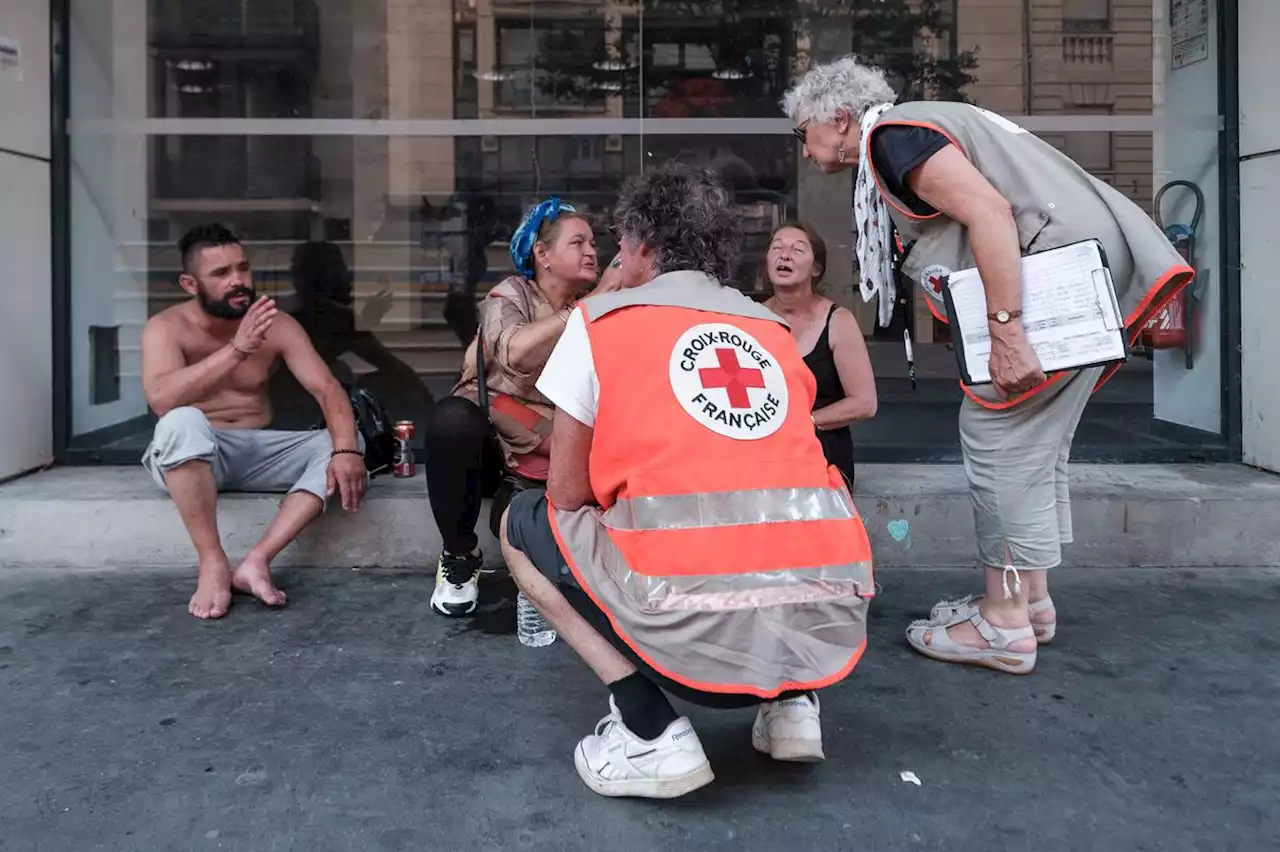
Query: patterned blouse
(509, 306)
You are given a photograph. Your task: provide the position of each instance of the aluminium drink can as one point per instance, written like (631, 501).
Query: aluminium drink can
(405, 465)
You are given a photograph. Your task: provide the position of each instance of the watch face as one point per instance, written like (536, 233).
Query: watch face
(1002, 316)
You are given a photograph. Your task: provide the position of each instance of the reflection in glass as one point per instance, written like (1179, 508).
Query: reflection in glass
(323, 302)
(414, 214)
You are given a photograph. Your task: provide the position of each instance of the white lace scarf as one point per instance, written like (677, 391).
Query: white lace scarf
(873, 228)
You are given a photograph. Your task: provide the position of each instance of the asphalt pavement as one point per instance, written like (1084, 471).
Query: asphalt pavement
(355, 719)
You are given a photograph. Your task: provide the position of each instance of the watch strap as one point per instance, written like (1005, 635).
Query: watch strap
(1012, 315)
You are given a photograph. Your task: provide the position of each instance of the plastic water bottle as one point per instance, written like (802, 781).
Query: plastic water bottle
(531, 627)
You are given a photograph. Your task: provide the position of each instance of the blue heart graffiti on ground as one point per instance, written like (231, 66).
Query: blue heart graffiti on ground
(899, 529)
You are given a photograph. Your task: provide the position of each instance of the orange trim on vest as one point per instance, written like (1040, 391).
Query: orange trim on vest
(1133, 324)
(1001, 405)
(876, 174)
(939, 316)
(1137, 318)
(721, 689)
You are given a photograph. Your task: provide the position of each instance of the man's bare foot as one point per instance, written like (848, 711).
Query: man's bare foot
(253, 577)
(213, 590)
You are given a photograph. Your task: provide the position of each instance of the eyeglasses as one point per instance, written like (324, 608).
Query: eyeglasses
(800, 131)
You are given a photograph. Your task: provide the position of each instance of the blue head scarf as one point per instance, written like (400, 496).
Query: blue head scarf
(527, 234)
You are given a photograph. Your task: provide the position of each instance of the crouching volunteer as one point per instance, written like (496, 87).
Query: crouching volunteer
(692, 537)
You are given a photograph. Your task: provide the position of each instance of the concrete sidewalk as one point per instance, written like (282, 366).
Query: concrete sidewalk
(356, 720)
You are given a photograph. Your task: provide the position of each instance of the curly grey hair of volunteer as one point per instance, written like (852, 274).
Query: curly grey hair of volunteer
(683, 215)
(844, 84)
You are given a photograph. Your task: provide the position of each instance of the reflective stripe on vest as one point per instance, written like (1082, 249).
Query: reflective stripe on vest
(738, 509)
(729, 508)
(760, 633)
(749, 591)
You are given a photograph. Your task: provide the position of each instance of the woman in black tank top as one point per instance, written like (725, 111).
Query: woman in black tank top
(829, 337)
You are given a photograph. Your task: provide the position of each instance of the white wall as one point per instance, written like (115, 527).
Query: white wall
(26, 322)
(1191, 397)
(1259, 243)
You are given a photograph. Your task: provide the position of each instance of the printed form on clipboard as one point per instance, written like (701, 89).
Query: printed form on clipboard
(1069, 313)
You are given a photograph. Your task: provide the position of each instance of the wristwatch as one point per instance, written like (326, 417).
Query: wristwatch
(1003, 317)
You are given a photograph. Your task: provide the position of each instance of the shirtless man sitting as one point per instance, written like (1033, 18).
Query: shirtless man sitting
(205, 366)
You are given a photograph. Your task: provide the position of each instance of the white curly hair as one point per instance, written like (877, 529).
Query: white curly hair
(863, 93)
(844, 84)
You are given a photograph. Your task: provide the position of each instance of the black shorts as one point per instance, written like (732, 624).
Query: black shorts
(529, 531)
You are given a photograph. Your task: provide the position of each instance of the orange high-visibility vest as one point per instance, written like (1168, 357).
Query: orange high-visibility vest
(724, 549)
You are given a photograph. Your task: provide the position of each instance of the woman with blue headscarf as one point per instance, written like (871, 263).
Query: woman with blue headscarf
(468, 450)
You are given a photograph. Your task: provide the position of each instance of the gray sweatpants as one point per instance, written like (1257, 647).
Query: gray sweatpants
(254, 460)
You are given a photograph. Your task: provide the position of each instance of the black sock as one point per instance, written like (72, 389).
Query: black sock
(795, 693)
(645, 709)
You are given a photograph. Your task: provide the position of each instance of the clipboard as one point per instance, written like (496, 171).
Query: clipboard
(1072, 320)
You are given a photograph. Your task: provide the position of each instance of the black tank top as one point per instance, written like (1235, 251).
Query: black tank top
(837, 444)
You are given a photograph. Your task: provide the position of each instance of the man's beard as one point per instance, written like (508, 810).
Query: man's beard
(222, 308)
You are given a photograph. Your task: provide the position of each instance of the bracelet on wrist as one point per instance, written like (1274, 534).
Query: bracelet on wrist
(346, 453)
(240, 353)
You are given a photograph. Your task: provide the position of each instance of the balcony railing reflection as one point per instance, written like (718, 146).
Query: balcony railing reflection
(236, 24)
(1091, 49)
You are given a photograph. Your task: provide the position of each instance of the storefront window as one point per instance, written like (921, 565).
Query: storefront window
(375, 157)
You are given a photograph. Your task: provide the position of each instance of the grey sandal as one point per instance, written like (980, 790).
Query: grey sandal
(932, 639)
(960, 609)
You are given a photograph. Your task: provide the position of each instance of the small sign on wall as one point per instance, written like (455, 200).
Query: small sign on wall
(1188, 31)
(10, 60)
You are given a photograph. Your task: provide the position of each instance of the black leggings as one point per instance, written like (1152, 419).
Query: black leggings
(464, 465)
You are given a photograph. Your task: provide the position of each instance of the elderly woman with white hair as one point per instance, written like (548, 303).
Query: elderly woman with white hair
(964, 187)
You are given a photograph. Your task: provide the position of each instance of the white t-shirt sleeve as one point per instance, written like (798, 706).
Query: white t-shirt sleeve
(569, 379)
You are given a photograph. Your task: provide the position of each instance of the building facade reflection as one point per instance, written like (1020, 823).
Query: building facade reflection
(407, 139)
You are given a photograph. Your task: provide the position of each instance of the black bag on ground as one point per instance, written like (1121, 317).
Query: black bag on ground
(375, 427)
(379, 433)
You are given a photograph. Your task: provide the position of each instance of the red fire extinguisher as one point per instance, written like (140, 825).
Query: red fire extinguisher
(1174, 327)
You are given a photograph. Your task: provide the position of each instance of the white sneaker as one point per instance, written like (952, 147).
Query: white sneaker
(457, 585)
(615, 762)
(790, 729)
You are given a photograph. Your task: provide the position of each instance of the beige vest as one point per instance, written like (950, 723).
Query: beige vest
(729, 562)
(1055, 202)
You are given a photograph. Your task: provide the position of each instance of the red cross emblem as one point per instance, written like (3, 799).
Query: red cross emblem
(733, 377)
(935, 281)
